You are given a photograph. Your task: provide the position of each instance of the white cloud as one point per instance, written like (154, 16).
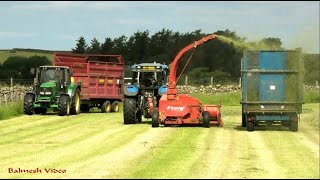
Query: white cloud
(5, 34)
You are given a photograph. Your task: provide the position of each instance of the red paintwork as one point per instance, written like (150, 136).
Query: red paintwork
(101, 75)
(183, 109)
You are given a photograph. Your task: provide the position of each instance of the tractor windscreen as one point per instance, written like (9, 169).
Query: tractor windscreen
(152, 78)
(51, 75)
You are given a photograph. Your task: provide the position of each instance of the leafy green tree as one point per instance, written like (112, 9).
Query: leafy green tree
(138, 46)
(120, 47)
(94, 47)
(19, 67)
(270, 43)
(106, 47)
(81, 46)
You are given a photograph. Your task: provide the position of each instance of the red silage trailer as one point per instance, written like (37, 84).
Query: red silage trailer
(101, 78)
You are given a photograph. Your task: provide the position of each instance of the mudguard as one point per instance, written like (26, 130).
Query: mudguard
(72, 89)
(130, 90)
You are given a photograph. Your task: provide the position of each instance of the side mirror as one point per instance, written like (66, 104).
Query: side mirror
(32, 71)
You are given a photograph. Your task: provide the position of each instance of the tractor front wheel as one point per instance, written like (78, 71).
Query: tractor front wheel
(206, 119)
(129, 110)
(155, 118)
(75, 106)
(64, 105)
(28, 104)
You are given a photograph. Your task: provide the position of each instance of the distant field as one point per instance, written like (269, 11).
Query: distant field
(4, 54)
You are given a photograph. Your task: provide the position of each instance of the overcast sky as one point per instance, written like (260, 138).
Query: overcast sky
(57, 25)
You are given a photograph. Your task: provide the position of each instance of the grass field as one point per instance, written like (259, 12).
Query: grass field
(5, 54)
(97, 145)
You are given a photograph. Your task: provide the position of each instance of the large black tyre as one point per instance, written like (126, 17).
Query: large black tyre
(106, 107)
(294, 123)
(250, 126)
(28, 104)
(64, 105)
(129, 110)
(76, 101)
(206, 119)
(155, 118)
(115, 106)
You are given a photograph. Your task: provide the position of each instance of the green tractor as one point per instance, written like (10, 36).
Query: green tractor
(53, 88)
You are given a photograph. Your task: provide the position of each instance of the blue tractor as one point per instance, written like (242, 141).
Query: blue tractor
(142, 94)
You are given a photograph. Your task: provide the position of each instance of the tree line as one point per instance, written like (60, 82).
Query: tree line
(164, 45)
(218, 58)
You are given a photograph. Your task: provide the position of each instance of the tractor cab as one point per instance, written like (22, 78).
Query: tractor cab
(52, 78)
(149, 75)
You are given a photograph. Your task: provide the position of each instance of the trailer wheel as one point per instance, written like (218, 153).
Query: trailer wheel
(106, 107)
(28, 104)
(294, 123)
(250, 126)
(129, 110)
(115, 106)
(75, 105)
(155, 118)
(64, 105)
(206, 119)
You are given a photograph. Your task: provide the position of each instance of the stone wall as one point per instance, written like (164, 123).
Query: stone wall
(18, 91)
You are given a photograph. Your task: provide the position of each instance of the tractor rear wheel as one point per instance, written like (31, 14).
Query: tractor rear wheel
(155, 118)
(206, 119)
(250, 126)
(115, 106)
(129, 110)
(64, 105)
(28, 104)
(75, 105)
(106, 107)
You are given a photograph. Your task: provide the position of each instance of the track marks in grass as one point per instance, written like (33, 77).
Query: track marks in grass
(174, 158)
